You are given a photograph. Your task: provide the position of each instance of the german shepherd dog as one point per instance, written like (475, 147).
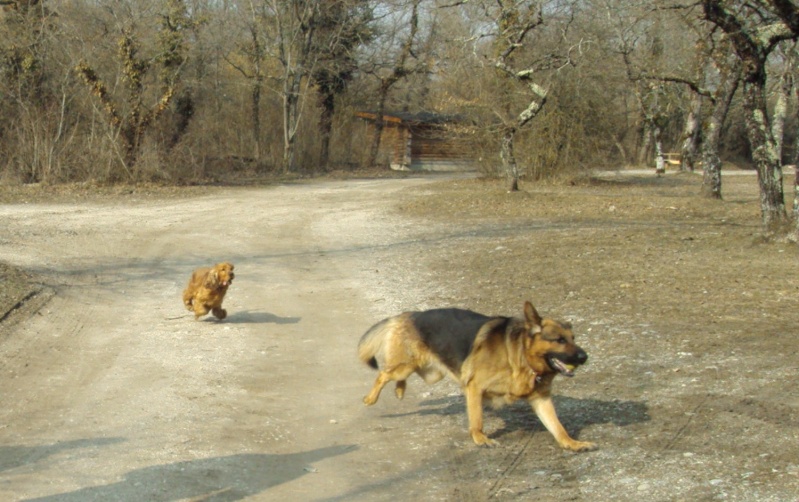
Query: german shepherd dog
(501, 358)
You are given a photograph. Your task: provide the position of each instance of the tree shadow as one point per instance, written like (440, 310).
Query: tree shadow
(255, 317)
(218, 479)
(16, 456)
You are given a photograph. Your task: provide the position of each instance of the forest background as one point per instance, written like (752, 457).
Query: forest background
(186, 91)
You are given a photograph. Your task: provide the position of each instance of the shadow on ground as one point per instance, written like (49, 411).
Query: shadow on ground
(219, 479)
(17, 456)
(255, 317)
(576, 414)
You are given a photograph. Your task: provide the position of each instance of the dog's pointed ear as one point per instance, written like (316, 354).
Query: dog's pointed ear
(533, 319)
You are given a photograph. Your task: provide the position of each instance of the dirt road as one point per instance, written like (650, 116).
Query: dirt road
(114, 392)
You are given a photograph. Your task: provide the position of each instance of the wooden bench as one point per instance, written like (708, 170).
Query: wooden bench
(673, 159)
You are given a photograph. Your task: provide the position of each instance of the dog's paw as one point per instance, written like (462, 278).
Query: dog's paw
(580, 446)
(481, 439)
(219, 313)
(369, 401)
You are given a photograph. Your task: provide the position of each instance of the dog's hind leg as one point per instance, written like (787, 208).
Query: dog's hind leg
(398, 373)
(399, 390)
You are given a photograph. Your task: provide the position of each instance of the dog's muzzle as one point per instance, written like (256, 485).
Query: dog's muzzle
(566, 366)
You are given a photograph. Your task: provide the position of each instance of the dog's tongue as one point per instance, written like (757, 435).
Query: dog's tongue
(562, 368)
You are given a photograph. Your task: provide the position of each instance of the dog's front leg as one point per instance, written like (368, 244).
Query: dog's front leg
(219, 312)
(545, 410)
(474, 409)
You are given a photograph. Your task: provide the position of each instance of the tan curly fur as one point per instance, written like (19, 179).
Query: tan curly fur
(207, 288)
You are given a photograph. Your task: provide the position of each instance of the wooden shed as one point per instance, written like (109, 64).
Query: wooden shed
(421, 141)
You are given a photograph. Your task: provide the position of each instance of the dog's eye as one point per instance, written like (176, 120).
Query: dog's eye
(562, 340)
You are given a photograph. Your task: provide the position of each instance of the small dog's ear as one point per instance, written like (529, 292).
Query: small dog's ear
(212, 279)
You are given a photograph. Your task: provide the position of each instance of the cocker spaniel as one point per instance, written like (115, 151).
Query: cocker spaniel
(207, 288)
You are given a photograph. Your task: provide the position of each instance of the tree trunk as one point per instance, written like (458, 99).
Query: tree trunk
(711, 163)
(327, 100)
(690, 135)
(291, 102)
(764, 149)
(796, 171)
(374, 149)
(646, 141)
(781, 104)
(730, 77)
(795, 236)
(660, 164)
(255, 115)
(509, 159)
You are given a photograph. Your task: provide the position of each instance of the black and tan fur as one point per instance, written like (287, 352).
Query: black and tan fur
(500, 358)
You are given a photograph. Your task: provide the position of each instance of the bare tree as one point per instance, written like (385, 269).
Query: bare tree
(343, 27)
(755, 29)
(253, 49)
(136, 117)
(33, 101)
(521, 66)
(785, 83)
(693, 120)
(728, 77)
(393, 61)
(291, 25)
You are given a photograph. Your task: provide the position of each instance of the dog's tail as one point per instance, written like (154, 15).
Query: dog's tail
(188, 300)
(371, 343)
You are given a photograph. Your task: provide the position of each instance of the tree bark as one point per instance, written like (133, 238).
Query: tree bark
(509, 159)
(764, 149)
(255, 115)
(753, 42)
(783, 96)
(327, 100)
(660, 164)
(690, 135)
(646, 143)
(374, 148)
(730, 77)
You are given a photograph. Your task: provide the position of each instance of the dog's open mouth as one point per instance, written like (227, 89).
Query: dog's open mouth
(561, 367)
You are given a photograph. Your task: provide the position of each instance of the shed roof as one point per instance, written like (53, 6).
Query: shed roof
(410, 118)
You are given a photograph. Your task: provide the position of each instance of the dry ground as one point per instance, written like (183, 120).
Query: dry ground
(111, 393)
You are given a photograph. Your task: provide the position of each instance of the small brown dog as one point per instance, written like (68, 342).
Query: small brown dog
(207, 288)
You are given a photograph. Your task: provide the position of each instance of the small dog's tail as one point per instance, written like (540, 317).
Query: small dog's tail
(188, 300)
(371, 343)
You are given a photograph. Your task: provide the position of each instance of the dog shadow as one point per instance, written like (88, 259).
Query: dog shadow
(255, 317)
(576, 414)
(218, 479)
